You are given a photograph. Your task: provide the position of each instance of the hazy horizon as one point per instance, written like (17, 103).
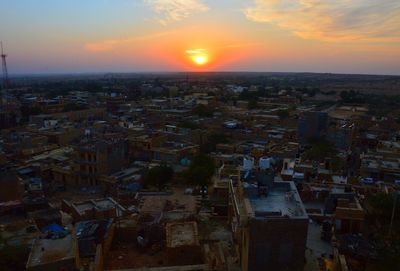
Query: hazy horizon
(146, 36)
(88, 73)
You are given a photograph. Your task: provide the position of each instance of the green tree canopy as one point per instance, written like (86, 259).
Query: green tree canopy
(27, 111)
(252, 104)
(159, 176)
(379, 208)
(283, 114)
(320, 148)
(188, 124)
(202, 111)
(212, 141)
(201, 170)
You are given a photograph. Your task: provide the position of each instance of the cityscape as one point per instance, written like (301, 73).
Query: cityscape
(189, 135)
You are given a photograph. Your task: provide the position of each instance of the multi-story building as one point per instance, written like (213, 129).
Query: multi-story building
(269, 223)
(93, 158)
(140, 146)
(312, 124)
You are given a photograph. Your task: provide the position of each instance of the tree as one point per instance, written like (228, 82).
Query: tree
(201, 170)
(379, 212)
(27, 111)
(283, 114)
(202, 111)
(320, 148)
(159, 176)
(381, 206)
(212, 141)
(252, 104)
(74, 107)
(188, 124)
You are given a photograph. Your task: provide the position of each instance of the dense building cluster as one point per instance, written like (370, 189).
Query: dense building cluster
(180, 174)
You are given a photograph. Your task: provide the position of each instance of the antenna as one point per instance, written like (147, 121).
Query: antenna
(4, 66)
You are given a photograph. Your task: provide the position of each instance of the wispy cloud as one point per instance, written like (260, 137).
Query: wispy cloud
(241, 45)
(196, 51)
(109, 45)
(332, 20)
(176, 10)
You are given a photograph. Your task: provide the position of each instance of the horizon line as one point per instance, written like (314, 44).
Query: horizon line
(83, 73)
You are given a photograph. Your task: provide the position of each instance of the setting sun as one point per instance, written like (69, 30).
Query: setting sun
(198, 56)
(200, 60)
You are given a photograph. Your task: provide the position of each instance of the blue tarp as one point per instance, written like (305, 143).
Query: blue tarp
(133, 187)
(53, 228)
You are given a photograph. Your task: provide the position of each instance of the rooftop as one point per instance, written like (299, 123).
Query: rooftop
(93, 229)
(266, 197)
(46, 251)
(182, 234)
(98, 204)
(279, 200)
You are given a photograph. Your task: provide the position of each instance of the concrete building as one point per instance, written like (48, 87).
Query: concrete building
(140, 146)
(93, 209)
(182, 243)
(54, 254)
(349, 216)
(93, 158)
(269, 223)
(173, 152)
(92, 234)
(11, 188)
(312, 124)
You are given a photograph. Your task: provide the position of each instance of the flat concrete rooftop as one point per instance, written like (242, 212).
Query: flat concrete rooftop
(280, 200)
(46, 251)
(98, 204)
(182, 234)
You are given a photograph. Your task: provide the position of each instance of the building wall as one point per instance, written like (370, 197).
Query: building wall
(66, 137)
(104, 159)
(98, 260)
(312, 124)
(108, 240)
(81, 114)
(275, 244)
(10, 187)
(66, 265)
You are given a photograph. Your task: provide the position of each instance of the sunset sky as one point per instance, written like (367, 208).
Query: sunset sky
(64, 36)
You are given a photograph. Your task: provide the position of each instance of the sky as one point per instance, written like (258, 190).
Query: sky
(84, 36)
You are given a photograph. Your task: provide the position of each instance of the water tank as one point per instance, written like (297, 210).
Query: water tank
(248, 163)
(265, 163)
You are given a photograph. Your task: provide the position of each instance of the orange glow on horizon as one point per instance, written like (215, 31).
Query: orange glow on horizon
(200, 60)
(195, 48)
(199, 57)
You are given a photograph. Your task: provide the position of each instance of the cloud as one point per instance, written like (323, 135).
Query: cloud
(196, 51)
(109, 45)
(241, 45)
(332, 20)
(176, 10)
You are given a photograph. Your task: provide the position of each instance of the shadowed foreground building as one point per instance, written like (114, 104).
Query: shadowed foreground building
(54, 254)
(269, 223)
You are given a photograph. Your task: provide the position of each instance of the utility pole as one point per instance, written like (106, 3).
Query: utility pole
(4, 66)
